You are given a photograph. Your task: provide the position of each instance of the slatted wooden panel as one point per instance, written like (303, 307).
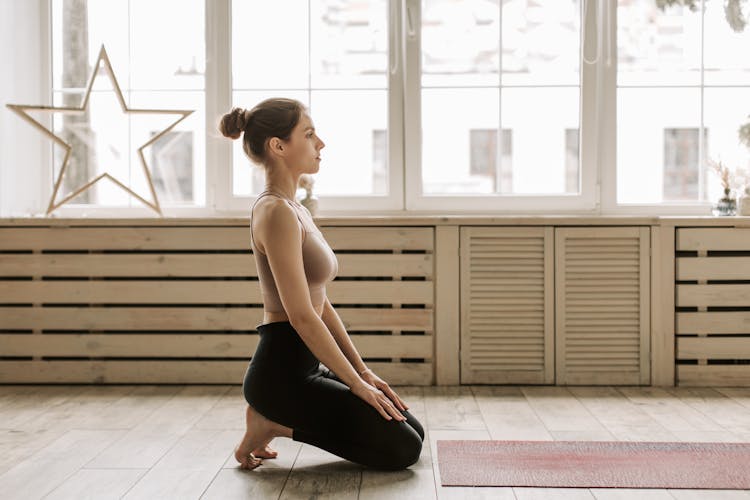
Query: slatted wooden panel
(121, 304)
(602, 305)
(506, 305)
(712, 326)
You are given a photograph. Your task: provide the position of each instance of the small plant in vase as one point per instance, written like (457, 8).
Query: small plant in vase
(727, 204)
(310, 201)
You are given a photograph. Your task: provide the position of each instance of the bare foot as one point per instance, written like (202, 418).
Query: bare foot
(265, 451)
(254, 446)
(247, 460)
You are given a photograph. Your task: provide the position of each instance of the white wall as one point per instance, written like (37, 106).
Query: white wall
(24, 188)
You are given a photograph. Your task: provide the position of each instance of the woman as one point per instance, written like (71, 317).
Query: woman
(345, 409)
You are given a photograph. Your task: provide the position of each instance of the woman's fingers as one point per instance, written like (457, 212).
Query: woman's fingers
(385, 413)
(393, 397)
(402, 402)
(402, 406)
(394, 411)
(396, 399)
(381, 408)
(385, 406)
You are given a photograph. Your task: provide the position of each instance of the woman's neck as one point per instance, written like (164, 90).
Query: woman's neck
(287, 193)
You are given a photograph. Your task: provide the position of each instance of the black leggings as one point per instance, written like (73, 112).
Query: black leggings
(285, 383)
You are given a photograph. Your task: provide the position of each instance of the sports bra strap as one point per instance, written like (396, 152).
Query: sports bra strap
(285, 199)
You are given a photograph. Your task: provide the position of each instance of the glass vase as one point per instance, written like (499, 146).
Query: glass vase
(725, 206)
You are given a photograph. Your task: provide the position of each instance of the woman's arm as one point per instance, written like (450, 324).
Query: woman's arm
(332, 320)
(282, 242)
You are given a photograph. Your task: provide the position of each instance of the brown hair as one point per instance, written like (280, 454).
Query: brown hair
(274, 117)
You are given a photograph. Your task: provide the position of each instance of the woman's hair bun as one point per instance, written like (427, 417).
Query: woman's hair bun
(273, 117)
(234, 123)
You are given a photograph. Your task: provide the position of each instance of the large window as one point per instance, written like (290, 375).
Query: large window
(513, 67)
(683, 91)
(157, 65)
(331, 55)
(433, 106)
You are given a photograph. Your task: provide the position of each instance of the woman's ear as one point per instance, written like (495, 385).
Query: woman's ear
(275, 145)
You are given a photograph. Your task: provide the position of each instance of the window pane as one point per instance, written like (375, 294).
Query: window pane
(572, 161)
(456, 153)
(541, 42)
(247, 178)
(349, 123)
(541, 143)
(145, 52)
(165, 60)
(669, 150)
(448, 118)
(726, 48)
(167, 44)
(106, 139)
(79, 29)
(270, 43)
(336, 48)
(485, 140)
(460, 43)
(681, 166)
(656, 47)
(657, 133)
(349, 44)
(725, 111)
(177, 159)
(484, 158)
(99, 141)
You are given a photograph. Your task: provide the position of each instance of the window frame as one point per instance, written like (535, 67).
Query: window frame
(344, 205)
(585, 201)
(610, 205)
(597, 133)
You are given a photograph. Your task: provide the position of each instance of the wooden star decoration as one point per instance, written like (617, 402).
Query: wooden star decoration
(102, 61)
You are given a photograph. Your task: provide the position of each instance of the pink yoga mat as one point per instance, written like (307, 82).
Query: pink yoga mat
(594, 464)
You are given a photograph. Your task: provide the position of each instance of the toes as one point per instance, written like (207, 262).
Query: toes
(252, 462)
(265, 452)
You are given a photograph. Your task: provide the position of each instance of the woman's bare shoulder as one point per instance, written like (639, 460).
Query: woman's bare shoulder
(268, 213)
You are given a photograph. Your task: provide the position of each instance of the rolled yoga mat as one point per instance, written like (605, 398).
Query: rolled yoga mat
(594, 464)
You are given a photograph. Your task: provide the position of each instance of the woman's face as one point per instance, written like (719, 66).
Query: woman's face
(305, 146)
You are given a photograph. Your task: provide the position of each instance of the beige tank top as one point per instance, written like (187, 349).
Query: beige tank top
(320, 263)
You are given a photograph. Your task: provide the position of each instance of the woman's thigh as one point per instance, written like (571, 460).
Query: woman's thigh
(328, 387)
(331, 417)
(410, 419)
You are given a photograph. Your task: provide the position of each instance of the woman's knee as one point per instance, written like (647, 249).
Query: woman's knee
(414, 423)
(405, 449)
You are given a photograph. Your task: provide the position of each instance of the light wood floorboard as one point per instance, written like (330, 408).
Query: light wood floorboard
(175, 441)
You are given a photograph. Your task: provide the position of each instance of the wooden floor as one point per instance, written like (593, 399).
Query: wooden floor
(135, 441)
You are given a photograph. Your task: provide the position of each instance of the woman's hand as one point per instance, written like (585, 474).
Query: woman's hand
(377, 399)
(375, 381)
